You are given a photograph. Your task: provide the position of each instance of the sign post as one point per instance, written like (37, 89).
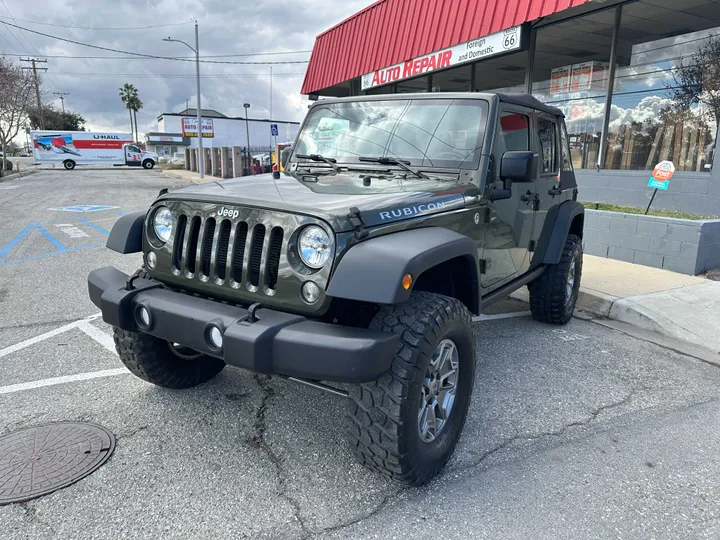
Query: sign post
(660, 179)
(274, 133)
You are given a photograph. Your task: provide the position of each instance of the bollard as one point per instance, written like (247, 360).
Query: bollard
(237, 161)
(225, 171)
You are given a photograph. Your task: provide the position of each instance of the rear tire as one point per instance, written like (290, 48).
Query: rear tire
(554, 294)
(153, 361)
(388, 417)
(69, 164)
(148, 164)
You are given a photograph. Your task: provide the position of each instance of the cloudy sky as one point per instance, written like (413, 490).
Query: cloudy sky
(226, 27)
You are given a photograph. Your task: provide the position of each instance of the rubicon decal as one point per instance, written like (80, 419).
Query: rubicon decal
(491, 45)
(411, 210)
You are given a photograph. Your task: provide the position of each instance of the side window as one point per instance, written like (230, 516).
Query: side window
(566, 162)
(548, 142)
(514, 133)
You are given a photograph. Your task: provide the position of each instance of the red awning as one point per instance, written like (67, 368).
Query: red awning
(393, 31)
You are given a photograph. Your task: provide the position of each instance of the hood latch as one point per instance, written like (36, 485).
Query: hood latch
(357, 222)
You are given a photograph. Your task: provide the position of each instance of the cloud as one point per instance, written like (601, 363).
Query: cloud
(225, 27)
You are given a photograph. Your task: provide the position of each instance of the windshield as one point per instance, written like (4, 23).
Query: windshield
(424, 132)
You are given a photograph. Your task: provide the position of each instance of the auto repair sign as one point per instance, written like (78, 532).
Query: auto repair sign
(491, 45)
(190, 129)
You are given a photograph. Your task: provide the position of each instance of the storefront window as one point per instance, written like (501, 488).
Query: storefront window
(663, 94)
(452, 80)
(503, 74)
(412, 86)
(571, 73)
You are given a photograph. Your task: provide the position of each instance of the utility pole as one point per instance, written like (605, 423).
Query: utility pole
(37, 84)
(62, 98)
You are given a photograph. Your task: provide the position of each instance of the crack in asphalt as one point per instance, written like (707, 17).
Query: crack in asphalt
(533, 437)
(132, 433)
(259, 442)
(379, 508)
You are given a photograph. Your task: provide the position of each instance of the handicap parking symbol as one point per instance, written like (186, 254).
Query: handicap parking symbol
(83, 208)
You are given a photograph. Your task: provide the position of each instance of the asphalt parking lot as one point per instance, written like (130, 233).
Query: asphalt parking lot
(574, 432)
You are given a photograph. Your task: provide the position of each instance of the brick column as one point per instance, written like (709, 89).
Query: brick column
(225, 162)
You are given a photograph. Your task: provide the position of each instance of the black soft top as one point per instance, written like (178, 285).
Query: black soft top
(526, 100)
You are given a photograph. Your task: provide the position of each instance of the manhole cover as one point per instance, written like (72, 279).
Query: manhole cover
(41, 459)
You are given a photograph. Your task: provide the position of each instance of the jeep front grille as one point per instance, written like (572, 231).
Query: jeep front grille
(212, 250)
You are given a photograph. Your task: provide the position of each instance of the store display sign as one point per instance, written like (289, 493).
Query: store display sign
(190, 128)
(165, 138)
(661, 175)
(560, 80)
(578, 78)
(491, 45)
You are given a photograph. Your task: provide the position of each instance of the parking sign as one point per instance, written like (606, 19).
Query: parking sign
(274, 130)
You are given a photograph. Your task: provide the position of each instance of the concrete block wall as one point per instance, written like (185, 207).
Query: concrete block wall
(680, 245)
(689, 192)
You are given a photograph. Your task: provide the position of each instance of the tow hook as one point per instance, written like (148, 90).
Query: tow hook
(251, 316)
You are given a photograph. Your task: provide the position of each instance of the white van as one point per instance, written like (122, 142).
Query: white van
(87, 148)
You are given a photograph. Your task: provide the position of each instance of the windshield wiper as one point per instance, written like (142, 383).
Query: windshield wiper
(318, 157)
(392, 161)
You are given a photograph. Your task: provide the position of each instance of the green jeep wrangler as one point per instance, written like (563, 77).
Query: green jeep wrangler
(396, 219)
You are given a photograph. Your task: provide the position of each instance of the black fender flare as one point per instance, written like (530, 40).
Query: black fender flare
(372, 271)
(126, 235)
(557, 227)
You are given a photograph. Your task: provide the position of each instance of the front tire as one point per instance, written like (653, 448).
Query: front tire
(154, 361)
(554, 294)
(406, 424)
(69, 164)
(148, 164)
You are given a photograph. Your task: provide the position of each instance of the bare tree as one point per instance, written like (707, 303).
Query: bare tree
(16, 93)
(697, 79)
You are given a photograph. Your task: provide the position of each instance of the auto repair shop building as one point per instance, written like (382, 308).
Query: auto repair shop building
(622, 72)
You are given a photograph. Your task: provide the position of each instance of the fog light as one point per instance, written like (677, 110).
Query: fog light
(215, 337)
(151, 260)
(310, 292)
(144, 316)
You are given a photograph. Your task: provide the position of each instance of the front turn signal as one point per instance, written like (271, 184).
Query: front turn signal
(407, 282)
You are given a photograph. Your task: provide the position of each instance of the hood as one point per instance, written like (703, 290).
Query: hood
(387, 198)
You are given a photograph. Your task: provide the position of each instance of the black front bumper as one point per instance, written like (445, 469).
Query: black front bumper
(276, 342)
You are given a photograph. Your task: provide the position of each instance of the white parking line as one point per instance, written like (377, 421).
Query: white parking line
(480, 318)
(98, 335)
(52, 333)
(62, 380)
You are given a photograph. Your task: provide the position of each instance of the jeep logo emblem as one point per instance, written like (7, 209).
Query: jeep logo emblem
(226, 212)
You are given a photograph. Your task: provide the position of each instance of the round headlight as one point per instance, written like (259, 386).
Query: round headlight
(163, 224)
(314, 246)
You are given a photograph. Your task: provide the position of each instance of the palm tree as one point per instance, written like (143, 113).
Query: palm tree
(128, 93)
(136, 105)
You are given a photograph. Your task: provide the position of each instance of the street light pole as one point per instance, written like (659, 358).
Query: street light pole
(201, 166)
(247, 131)
(196, 50)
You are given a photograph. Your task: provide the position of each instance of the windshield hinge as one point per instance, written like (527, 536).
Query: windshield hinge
(357, 222)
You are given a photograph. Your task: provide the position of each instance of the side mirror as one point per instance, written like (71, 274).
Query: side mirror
(518, 166)
(285, 156)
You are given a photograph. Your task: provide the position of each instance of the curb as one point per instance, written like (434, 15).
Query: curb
(16, 175)
(591, 302)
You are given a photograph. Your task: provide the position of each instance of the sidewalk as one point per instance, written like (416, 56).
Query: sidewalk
(191, 177)
(674, 305)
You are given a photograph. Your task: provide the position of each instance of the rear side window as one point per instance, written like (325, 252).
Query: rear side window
(566, 162)
(513, 133)
(548, 142)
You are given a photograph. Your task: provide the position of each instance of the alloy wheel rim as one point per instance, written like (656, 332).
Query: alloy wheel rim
(570, 280)
(437, 396)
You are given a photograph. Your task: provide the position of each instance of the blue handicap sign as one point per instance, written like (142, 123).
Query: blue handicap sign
(274, 130)
(658, 184)
(83, 208)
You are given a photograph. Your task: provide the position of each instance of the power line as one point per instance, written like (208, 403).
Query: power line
(178, 75)
(100, 28)
(141, 55)
(164, 58)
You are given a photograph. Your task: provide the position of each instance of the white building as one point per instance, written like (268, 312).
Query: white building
(220, 130)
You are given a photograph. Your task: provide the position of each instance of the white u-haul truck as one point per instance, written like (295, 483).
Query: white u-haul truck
(87, 148)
